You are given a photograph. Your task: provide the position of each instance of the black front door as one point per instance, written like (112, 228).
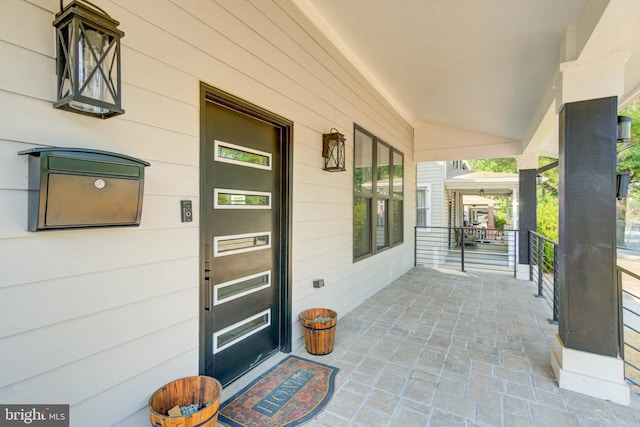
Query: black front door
(243, 284)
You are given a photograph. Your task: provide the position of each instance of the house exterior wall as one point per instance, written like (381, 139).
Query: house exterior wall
(100, 318)
(434, 173)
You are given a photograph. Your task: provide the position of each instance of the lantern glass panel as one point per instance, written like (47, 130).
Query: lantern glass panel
(624, 128)
(92, 45)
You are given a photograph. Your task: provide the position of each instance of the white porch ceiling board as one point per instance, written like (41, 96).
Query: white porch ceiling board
(474, 65)
(434, 143)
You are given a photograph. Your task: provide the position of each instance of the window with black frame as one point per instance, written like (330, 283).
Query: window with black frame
(378, 195)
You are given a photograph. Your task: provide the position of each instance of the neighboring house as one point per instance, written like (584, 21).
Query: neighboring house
(432, 198)
(444, 190)
(450, 195)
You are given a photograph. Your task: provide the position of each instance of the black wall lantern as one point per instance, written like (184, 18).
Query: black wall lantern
(624, 128)
(622, 184)
(88, 60)
(333, 151)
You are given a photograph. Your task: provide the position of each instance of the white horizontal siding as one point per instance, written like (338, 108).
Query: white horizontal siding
(100, 318)
(433, 172)
(61, 300)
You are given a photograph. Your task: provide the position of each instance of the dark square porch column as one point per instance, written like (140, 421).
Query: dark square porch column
(527, 212)
(585, 357)
(588, 316)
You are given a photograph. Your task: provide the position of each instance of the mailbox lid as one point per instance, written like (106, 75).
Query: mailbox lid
(84, 153)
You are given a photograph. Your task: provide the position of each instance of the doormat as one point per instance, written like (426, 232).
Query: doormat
(289, 394)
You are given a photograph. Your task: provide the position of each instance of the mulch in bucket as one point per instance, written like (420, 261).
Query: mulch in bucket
(319, 326)
(199, 392)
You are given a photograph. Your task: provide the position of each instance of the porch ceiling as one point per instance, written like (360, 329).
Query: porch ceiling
(486, 67)
(491, 183)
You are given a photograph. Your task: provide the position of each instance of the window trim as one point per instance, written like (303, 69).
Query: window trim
(427, 207)
(373, 197)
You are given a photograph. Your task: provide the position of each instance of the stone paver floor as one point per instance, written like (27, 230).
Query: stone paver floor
(454, 349)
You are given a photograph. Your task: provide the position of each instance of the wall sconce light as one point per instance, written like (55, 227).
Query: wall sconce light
(481, 192)
(88, 60)
(624, 128)
(333, 151)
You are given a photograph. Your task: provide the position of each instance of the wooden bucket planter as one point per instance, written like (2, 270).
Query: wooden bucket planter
(319, 326)
(187, 391)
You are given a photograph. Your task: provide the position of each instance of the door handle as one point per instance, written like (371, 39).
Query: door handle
(208, 293)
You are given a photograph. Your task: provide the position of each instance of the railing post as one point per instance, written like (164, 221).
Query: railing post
(415, 246)
(555, 286)
(515, 258)
(540, 266)
(531, 240)
(462, 249)
(620, 313)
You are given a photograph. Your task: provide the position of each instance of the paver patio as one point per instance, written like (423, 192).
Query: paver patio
(439, 348)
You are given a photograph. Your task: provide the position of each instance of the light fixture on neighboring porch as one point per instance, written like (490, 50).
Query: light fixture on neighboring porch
(88, 60)
(624, 128)
(481, 192)
(333, 151)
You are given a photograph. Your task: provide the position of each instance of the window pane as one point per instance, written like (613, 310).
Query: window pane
(382, 170)
(239, 199)
(421, 207)
(361, 227)
(237, 288)
(398, 166)
(397, 222)
(363, 177)
(238, 243)
(378, 192)
(382, 230)
(242, 156)
(421, 218)
(239, 331)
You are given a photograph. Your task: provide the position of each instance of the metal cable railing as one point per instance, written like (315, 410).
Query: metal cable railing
(543, 270)
(466, 248)
(628, 285)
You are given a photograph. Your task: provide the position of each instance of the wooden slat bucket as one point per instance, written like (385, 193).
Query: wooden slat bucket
(319, 326)
(198, 390)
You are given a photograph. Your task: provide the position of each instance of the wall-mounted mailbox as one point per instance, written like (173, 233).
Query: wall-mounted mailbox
(77, 188)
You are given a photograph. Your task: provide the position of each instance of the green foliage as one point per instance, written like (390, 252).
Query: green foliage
(629, 161)
(505, 165)
(629, 152)
(499, 220)
(549, 185)
(547, 201)
(547, 215)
